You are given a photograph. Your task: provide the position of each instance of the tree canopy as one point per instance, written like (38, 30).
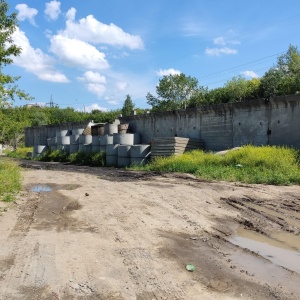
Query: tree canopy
(128, 106)
(173, 92)
(8, 25)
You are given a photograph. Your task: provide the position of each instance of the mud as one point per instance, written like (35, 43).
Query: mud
(104, 233)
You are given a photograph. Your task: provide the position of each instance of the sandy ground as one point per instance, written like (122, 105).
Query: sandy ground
(103, 233)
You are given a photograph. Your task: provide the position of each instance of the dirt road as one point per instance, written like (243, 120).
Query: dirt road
(101, 233)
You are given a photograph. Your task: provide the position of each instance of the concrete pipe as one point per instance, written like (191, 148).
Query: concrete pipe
(96, 140)
(39, 149)
(64, 132)
(74, 139)
(74, 148)
(124, 162)
(123, 128)
(110, 128)
(95, 148)
(112, 150)
(139, 160)
(63, 140)
(140, 151)
(111, 160)
(106, 139)
(124, 151)
(85, 139)
(77, 131)
(127, 138)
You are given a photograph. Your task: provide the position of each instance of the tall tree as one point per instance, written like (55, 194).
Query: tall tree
(173, 92)
(128, 106)
(8, 25)
(284, 77)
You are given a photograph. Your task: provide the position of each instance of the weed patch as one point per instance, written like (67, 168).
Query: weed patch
(249, 164)
(10, 179)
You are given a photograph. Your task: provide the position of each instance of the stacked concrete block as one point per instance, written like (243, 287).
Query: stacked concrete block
(107, 139)
(140, 154)
(112, 155)
(85, 143)
(122, 148)
(96, 143)
(124, 156)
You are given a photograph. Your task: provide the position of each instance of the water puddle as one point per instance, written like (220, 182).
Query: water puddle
(283, 252)
(41, 188)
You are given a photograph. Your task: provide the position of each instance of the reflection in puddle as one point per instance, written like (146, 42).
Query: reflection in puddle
(41, 188)
(280, 253)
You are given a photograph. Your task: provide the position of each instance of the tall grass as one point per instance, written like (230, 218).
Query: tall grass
(10, 179)
(249, 164)
(19, 153)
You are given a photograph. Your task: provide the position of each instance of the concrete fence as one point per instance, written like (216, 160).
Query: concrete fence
(275, 121)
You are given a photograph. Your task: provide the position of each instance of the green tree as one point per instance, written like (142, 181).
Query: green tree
(128, 107)
(174, 91)
(284, 77)
(8, 88)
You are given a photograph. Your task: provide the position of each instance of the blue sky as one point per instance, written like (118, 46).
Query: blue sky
(91, 54)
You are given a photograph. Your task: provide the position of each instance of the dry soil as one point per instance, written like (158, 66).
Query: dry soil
(103, 233)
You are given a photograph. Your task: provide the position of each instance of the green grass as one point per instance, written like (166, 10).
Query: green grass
(249, 164)
(96, 159)
(10, 179)
(19, 153)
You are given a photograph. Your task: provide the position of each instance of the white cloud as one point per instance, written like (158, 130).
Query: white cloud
(250, 74)
(95, 82)
(122, 86)
(93, 77)
(91, 30)
(220, 41)
(219, 51)
(52, 10)
(35, 61)
(74, 52)
(25, 12)
(112, 102)
(95, 106)
(167, 72)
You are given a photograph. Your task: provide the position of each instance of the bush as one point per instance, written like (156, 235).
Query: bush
(81, 158)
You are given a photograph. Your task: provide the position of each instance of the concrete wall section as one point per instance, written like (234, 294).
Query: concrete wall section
(259, 122)
(38, 135)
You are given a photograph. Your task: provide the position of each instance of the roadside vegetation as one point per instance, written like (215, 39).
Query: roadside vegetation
(10, 179)
(19, 152)
(249, 164)
(96, 159)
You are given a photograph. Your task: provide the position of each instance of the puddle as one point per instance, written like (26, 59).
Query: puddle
(41, 188)
(284, 252)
